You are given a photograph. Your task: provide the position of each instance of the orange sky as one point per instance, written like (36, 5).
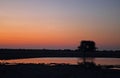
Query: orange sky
(40, 24)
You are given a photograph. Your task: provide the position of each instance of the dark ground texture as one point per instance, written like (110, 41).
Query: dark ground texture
(57, 71)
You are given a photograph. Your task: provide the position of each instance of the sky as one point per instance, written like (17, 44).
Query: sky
(59, 24)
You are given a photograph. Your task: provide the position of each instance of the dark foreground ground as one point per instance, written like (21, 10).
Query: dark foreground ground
(57, 71)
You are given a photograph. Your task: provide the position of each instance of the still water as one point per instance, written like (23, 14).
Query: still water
(101, 61)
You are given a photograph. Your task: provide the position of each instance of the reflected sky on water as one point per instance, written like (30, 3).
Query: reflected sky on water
(102, 61)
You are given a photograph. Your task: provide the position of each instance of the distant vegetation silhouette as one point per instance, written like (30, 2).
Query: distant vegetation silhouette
(85, 49)
(87, 46)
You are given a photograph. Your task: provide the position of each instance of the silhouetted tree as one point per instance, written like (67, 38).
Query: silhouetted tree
(87, 46)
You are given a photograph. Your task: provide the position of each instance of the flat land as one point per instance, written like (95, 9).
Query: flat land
(29, 53)
(57, 71)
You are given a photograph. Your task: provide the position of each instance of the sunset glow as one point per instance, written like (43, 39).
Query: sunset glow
(59, 24)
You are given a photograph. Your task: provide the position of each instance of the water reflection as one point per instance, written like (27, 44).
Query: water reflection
(85, 60)
(101, 61)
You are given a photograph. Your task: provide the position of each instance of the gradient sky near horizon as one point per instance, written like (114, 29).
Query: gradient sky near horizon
(59, 24)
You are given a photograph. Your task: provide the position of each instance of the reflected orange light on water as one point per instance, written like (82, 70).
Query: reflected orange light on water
(43, 60)
(101, 61)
